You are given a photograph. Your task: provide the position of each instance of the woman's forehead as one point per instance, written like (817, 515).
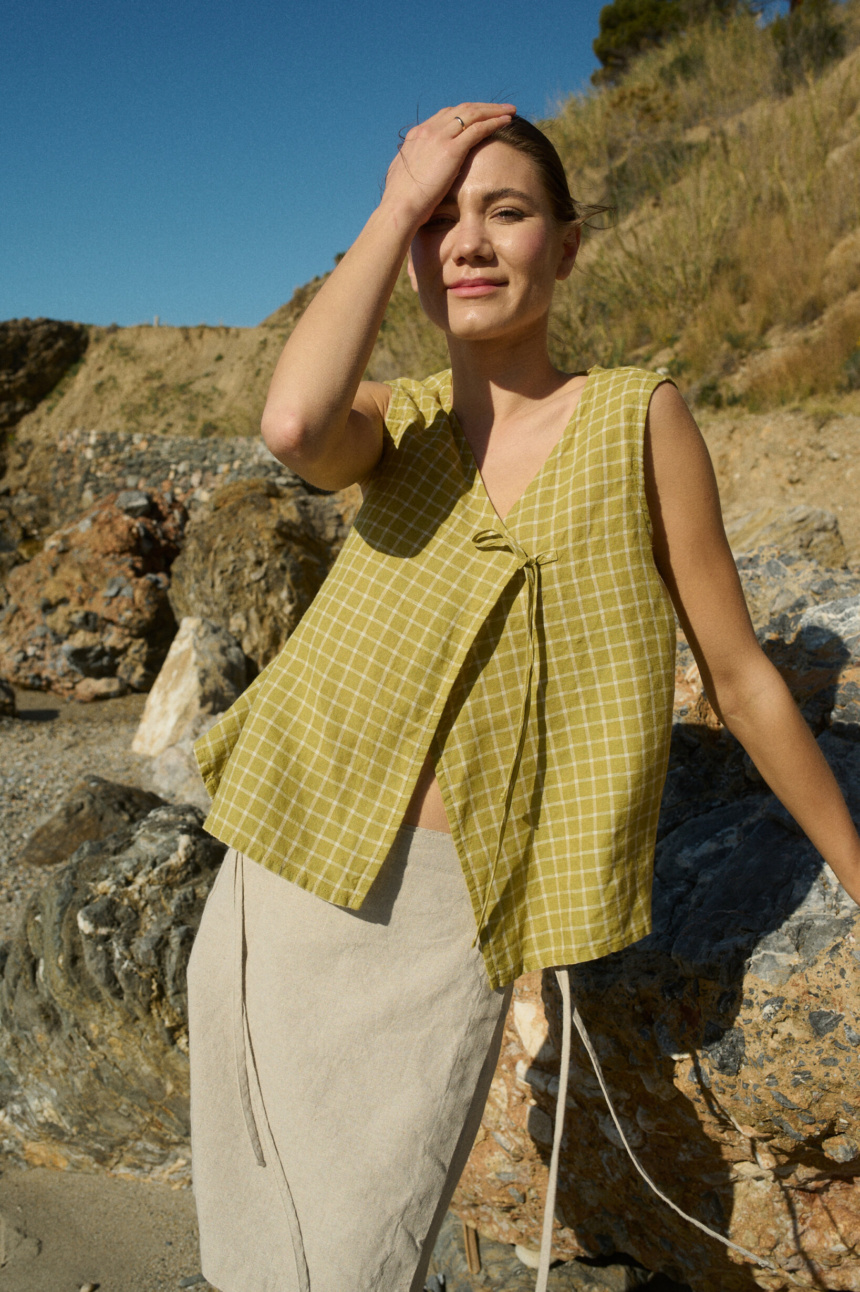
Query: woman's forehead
(494, 166)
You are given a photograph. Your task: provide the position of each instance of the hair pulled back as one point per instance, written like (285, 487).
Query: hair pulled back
(533, 143)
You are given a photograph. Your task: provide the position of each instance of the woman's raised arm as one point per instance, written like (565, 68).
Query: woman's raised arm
(320, 419)
(694, 559)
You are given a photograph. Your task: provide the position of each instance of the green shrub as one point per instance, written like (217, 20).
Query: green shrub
(807, 40)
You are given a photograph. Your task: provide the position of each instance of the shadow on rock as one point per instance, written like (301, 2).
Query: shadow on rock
(729, 1040)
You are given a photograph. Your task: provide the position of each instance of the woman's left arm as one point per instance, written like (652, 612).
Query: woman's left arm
(749, 696)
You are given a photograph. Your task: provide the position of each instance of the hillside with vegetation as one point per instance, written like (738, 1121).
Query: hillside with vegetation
(728, 155)
(731, 251)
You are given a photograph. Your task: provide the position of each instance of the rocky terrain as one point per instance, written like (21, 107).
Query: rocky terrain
(730, 1061)
(729, 1037)
(145, 579)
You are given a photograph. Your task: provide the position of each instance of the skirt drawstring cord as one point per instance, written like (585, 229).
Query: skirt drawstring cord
(246, 1071)
(570, 1011)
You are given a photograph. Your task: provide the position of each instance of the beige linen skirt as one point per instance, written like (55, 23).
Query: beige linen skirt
(340, 1061)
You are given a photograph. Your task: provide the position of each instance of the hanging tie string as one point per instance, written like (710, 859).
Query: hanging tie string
(246, 1072)
(489, 540)
(569, 1011)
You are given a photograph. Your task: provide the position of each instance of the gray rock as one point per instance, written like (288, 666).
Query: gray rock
(203, 674)
(174, 773)
(93, 1007)
(93, 809)
(801, 530)
(780, 588)
(134, 502)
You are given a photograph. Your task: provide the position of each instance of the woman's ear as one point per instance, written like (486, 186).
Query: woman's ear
(410, 269)
(570, 247)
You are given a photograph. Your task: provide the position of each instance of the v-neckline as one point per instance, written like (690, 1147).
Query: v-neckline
(543, 469)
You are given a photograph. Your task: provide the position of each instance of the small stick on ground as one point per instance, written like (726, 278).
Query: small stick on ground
(473, 1251)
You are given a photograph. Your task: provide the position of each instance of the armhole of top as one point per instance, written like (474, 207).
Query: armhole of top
(392, 429)
(649, 385)
(401, 409)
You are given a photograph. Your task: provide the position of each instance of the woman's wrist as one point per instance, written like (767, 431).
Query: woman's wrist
(405, 216)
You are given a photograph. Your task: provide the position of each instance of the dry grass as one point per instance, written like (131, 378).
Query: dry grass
(728, 202)
(729, 198)
(828, 360)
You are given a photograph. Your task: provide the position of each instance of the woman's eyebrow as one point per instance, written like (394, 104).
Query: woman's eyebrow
(494, 195)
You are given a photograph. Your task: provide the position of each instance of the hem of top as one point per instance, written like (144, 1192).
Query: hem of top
(313, 884)
(504, 977)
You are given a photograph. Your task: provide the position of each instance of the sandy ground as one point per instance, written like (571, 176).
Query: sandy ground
(64, 1231)
(790, 456)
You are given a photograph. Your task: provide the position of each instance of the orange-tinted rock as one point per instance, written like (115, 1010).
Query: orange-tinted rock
(93, 603)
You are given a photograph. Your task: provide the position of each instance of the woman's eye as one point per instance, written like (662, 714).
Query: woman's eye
(438, 222)
(509, 213)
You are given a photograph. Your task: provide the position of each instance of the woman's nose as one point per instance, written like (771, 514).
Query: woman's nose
(470, 240)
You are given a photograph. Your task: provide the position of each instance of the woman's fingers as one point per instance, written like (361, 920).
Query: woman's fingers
(434, 151)
(472, 114)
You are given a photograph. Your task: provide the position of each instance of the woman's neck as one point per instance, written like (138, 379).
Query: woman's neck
(498, 381)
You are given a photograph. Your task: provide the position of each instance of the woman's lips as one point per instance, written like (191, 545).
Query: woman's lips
(473, 287)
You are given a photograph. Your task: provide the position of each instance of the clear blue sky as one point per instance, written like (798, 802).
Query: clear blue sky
(199, 159)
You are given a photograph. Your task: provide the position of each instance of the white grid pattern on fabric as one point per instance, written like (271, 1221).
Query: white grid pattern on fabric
(419, 641)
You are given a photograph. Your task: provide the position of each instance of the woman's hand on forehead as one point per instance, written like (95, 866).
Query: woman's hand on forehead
(432, 155)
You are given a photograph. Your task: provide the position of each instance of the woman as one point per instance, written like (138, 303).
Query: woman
(462, 748)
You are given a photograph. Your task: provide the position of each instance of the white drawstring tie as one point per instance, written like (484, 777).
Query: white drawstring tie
(569, 1011)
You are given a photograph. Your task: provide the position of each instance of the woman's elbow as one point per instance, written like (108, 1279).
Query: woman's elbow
(286, 435)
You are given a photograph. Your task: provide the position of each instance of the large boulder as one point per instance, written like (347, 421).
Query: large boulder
(730, 1041)
(92, 605)
(254, 557)
(203, 674)
(730, 1036)
(92, 809)
(93, 1008)
(205, 671)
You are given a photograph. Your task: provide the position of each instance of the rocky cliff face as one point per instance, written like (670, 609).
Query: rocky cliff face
(34, 355)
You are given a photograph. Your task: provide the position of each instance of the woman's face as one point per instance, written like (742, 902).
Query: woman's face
(485, 263)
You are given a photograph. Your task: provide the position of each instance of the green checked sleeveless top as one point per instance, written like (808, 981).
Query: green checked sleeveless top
(533, 658)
